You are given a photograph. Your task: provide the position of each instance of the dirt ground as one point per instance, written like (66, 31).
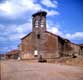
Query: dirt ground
(22, 70)
(71, 61)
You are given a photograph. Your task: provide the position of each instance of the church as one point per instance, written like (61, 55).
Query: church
(42, 45)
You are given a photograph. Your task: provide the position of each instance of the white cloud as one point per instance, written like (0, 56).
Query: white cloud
(24, 27)
(20, 31)
(76, 35)
(54, 28)
(6, 7)
(52, 12)
(15, 8)
(15, 32)
(16, 36)
(49, 3)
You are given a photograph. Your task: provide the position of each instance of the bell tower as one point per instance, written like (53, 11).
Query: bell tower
(39, 21)
(38, 31)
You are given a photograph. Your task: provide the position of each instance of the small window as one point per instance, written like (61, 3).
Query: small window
(41, 23)
(38, 36)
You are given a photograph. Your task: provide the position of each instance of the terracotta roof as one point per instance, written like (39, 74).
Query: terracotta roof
(13, 52)
(2, 54)
(81, 45)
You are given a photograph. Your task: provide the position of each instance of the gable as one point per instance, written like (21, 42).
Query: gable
(26, 36)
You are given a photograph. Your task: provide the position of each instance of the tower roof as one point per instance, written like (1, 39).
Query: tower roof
(40, 13)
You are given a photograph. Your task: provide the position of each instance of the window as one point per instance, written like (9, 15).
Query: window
(36, 23)
(38, 36)
(41, 23)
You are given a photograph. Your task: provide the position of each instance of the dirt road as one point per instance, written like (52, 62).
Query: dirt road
(22, 70)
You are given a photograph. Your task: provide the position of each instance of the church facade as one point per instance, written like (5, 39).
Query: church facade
(43, 45)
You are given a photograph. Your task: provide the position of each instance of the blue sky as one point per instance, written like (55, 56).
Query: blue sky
(64, 18)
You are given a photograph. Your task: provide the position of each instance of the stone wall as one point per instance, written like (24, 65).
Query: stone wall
(67, 48)
(26, 45)
(47, 45)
